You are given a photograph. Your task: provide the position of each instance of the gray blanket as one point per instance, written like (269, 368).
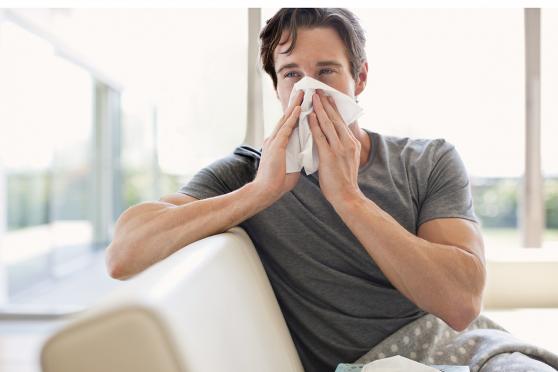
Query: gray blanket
(484, 346)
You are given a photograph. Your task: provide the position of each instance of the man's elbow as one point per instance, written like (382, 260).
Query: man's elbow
(464, 314)
(468, 303)
(116, 270)
(118, 266)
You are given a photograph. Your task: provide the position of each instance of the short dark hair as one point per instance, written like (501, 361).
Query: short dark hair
(341, 20)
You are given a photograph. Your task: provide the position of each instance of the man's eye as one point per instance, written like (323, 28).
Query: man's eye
(326, 71)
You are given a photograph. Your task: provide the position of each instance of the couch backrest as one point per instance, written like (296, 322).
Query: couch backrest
(208, 307)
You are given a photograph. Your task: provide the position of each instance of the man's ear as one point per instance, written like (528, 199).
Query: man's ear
(362, 78)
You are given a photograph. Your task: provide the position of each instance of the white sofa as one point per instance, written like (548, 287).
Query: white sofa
(208, 307)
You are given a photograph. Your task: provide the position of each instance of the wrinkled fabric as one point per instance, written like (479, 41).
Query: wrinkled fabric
(484, 346)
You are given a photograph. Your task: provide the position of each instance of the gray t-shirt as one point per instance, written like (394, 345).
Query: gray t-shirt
(336, 301)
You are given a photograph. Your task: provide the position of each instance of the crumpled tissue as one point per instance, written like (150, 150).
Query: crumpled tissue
(397, 364)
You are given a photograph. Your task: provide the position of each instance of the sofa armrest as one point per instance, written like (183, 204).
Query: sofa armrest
(207, 307)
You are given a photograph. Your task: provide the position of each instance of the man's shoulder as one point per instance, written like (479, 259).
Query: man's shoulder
(244, 156)
(414, 150)
(225, 174)
(416, 145)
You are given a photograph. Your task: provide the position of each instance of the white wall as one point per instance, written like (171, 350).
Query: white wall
(3, 282)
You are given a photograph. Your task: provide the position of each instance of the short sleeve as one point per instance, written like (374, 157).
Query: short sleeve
(448, 192)
(224, 175)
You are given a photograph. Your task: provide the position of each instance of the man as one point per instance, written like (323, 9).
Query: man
(382, 234)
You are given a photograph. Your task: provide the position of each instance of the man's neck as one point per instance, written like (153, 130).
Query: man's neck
(365, 143)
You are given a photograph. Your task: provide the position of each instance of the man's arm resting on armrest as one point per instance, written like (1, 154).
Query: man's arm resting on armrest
(148, 232)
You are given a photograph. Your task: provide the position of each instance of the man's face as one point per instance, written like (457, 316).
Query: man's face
(320, 54)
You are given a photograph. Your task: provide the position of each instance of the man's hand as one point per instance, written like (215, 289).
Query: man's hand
(338, 151)
(272, 178)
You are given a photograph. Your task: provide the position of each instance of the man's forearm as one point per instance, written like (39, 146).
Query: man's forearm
(149, 232)
(444, 280)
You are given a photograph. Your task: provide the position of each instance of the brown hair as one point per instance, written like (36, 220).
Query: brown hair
(341, 20)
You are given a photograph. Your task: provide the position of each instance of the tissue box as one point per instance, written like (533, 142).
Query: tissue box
(346, 367)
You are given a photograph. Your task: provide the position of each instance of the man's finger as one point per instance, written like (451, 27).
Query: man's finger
(325, 122)
(286, 129)
(296, 102)
(317, 135)
(338, 122)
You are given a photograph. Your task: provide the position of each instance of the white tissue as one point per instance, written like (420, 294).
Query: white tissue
(301, 152)
(397, 364)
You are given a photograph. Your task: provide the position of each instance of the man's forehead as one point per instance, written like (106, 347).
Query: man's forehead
(329, 53)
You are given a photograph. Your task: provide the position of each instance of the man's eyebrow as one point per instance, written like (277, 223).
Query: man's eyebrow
(319, 64)
(329, 63)
(288, 65)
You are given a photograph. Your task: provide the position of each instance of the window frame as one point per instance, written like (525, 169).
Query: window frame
(531, 205)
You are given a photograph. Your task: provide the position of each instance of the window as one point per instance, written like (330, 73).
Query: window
(139, 151)
(46, 150)
(191, 63)
(189, 68)
(188, 64)
(74, 152)
(203, 117)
